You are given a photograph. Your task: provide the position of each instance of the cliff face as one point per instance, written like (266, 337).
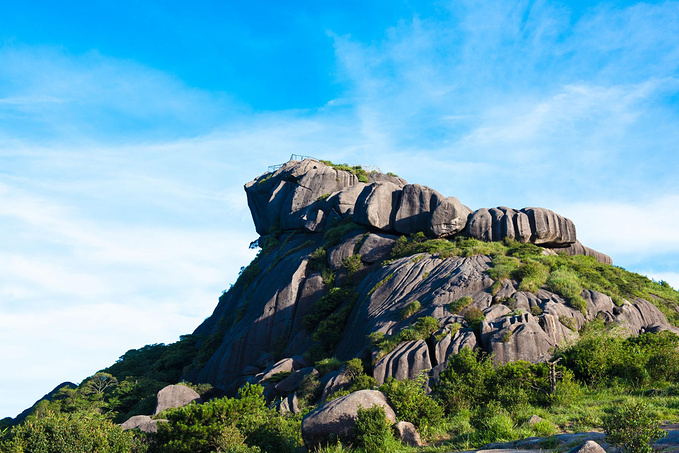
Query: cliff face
(336, 267)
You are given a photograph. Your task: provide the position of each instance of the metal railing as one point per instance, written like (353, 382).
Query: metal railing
(299, 157)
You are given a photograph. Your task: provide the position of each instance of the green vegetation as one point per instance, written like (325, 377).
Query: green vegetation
(474, 317)
(421, 329)
(78, 432)
(412, 404)
(242, 424)
(332, 235)
(326, 305)
(379, 284)
(410, 309)
(355, 169)
(373, 430)
(352, 264)
(460, 304)
(632, 428)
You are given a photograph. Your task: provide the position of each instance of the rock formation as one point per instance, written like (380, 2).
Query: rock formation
(322, 226)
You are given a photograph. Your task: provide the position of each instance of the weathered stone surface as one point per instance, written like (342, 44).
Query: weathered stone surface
(175, 396)
(375, 176)
(536, 225)
(342, 203)
(376, 247)
(577, 248)
(280, 199)
(338, 417)
(451, 345)
(291, 382)
(333, 382)
(415, 209)
(407, 434)
(289, 404)
(286, 365)
(344, 250)
(376, 206)
(588, 447)
(135, 421)
(535, 419)
(448, 218)
(406, 361)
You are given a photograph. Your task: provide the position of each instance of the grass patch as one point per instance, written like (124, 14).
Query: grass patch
(356, 170)
(422, 329)
(460, 304)
(412, 308)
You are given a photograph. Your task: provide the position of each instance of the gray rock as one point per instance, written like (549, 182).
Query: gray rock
(449, 217)
(535, 419)
(337, 418)
(536, 225)
(286, 365)
(375, 176)
(406, 361)
(415, 209)
(135, 421)
(175, 396)
(376, 247)
(289, 404)
(333, 382)
(577, 248)
(376, 206)
(151, 426)
(407, 434)
(449, 346)
(344, 249)
(588, 447)
(343, 202)
(291, 382)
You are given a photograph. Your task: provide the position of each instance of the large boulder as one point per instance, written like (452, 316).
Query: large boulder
(376, 205)
(536, 225)
(415, 209)
(577, 248)
(449, 218)
(175, 396)
(337, 418)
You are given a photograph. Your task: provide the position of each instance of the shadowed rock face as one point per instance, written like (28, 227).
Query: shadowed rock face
(258, 327)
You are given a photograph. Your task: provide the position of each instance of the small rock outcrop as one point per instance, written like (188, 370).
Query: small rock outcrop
(337, 418)
(407, 434)
(143, 423)
(175, 396)
(407, 361)
(588, 447)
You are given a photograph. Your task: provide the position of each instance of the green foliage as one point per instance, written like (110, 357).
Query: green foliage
(372, 430)
(632, 428)
(323, 197)
(503, 267)
(506, 336)
(79, 432)
(418, 243)
(354, 368)
(326, 365)
(469, 381)
(357, 170)
(326, 305)
(535, 310)
(474, 317)
(531, 275)
(318, 260)
(460, 304)
(603, 358)
(422, 329)
(565, 282)
(410, 309)
(244, 421)
(352, 264)
(332, 235)
(411, 403)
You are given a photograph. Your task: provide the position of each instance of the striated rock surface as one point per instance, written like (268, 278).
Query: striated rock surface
(269, 320)
(536, 225)
(337, 418)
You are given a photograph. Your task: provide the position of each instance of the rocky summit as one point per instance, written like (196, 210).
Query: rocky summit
(364, 264)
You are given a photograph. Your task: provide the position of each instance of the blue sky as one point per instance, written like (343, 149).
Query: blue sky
(127, 131)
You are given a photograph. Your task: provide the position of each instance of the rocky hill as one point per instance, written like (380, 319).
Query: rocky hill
(364, 264)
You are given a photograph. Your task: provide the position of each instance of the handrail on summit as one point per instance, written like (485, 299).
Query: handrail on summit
(299, 157)
(273, 168)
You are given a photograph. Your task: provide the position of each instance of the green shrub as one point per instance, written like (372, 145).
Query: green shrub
(372, 430)
(632, 428)
(412, 404)
(356, 170)
(325, 366)
(535, 310)
(352, 264)
(78, 432)
(332, 235)
(506, 336)
(474, 317)
(412, 308)
(354, 368)
(460, 304)
(531, 275)
(564, 281)
(326, 305)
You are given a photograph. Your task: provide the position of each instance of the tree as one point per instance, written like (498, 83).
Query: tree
(632, 428)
